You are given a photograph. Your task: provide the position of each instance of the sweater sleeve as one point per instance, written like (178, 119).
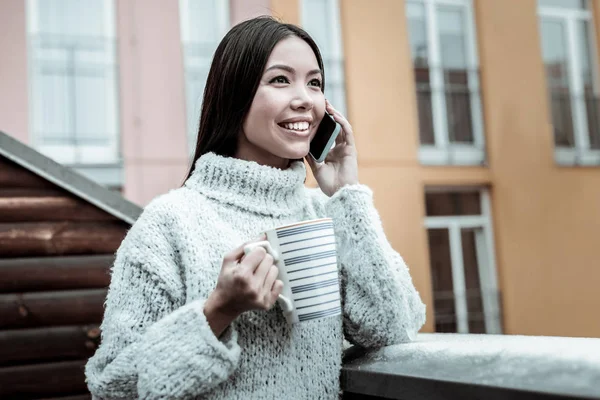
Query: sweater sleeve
(381, 306)
(153, 345)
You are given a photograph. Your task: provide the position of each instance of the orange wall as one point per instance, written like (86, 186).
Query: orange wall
(546, 218)
(381, 99)
(286, 10)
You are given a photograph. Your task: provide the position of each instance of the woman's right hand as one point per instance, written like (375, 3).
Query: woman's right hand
(246, 282)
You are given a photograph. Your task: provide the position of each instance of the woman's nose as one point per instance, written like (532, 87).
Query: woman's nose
(302, 100)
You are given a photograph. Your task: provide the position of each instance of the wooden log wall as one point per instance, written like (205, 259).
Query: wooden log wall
(56, 251)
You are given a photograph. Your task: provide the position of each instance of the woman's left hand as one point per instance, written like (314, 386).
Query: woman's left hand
(340, 167)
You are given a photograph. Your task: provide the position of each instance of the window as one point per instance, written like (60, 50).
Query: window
(321, 19)
(463, 270)
(203, 25)
(442, 39)
(566, 29)
(73, 75)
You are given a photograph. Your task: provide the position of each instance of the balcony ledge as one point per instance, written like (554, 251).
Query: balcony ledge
(469, 366)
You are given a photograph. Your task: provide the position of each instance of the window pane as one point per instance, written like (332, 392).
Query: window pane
(417, 29)
(555, 54)
(451, 23)
(73, 59)
(450, 204)
(202, 39)
(417, 26)
(71, 17)
(562, 118)
(584, 33)
(472, 281)
(202, 15)
(318, 20)
(453, 41)
(426, 135)
(317, 23)
(441, 276)
(52, 106)
(583, 41)
(90, 94)
(592, 108)
(197, 58)
(576, 4)
(458, 107)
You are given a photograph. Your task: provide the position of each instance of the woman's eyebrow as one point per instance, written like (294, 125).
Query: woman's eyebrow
(292, 70)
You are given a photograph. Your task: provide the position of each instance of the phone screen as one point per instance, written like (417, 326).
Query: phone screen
(326, 128)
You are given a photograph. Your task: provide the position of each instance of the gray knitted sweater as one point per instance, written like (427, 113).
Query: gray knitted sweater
(156, 342)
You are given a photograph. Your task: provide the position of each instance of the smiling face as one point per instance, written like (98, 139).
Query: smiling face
(287, 107)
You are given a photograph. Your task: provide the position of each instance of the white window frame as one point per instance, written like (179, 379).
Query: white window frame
(223, 23)
(581, 154)
(222, 16)
(335, 38)
(87, 157)
(444, 152)
(486, 257)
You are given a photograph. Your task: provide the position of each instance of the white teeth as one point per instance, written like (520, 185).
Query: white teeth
(297, 126)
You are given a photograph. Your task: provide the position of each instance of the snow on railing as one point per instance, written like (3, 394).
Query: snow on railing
(468, 366)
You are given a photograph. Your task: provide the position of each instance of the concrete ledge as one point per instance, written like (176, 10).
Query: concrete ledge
(458, 366)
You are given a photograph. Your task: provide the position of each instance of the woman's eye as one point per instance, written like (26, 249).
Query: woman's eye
(280, 79)
(315, 82)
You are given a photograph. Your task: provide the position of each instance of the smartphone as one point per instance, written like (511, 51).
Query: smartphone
(324, 138)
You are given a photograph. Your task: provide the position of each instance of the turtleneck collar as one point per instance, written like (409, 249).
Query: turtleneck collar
(249, 185)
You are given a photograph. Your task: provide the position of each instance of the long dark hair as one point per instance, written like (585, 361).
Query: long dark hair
(233, 79)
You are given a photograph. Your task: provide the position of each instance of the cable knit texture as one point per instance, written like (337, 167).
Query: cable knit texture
(156, 342)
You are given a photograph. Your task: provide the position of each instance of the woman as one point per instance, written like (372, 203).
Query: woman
(188, 317)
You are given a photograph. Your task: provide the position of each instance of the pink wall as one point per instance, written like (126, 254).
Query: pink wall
(240, 10)
(151, 88)
(152, 97)
(152, 93)
(13, 70)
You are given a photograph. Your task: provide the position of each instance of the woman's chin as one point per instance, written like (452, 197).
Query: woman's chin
(295, 153)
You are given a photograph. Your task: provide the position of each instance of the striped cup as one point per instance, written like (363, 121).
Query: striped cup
(306, 255)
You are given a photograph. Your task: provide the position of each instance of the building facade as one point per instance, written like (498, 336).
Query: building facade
(476, 124)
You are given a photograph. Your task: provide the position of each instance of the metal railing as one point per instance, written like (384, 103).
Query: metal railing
(468, 366)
